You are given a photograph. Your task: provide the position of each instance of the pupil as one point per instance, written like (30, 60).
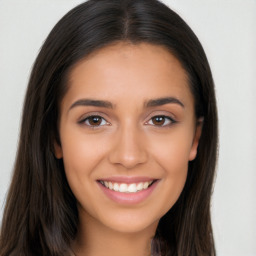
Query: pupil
(95, 120)
(159, 120)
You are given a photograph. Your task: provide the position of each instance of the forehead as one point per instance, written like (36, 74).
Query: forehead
(126, 53)
(135, 71)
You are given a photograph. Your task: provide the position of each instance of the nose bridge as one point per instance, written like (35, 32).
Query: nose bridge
(128, 148)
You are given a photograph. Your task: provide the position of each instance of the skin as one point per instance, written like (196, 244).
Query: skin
(128, 141)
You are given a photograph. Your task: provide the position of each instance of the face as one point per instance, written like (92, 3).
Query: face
(128, 131)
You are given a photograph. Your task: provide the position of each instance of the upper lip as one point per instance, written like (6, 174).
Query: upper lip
(127, 179)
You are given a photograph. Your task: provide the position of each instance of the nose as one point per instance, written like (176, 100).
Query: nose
(129, 149)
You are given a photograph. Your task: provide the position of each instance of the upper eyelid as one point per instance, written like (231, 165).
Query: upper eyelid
(165, 116)
(87, 115)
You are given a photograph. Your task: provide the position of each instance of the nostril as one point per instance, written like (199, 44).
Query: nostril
(128, 161)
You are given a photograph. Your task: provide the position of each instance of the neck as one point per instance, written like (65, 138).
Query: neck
(95, 239)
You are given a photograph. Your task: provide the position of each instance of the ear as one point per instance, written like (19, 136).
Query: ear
(198, 131)
(57, 150)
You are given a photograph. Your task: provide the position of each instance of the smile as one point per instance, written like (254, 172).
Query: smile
(128, 190)
(125, 187)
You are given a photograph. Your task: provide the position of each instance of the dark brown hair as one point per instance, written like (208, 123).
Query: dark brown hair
(40, 215)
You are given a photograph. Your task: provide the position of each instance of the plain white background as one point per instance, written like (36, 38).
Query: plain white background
(227, 30)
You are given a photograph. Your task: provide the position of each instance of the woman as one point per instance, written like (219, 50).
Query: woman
(118, 141)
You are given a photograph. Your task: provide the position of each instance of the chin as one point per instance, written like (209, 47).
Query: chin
(130, 221)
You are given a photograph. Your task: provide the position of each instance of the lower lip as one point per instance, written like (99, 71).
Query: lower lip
(128, 198)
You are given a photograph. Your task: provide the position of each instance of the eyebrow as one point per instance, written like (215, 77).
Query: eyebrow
(162, 101)
(108, 104)
(90, 102)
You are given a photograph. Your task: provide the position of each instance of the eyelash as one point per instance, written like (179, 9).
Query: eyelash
(87, 119)
(168, 119)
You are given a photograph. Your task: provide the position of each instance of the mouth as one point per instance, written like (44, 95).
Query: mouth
(127, 187)
(126, 190)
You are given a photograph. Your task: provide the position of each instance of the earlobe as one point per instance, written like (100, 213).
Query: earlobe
(57, 150)
(198, 131)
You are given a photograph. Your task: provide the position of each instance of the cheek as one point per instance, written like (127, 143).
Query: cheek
(172, 151)
(174, 162)
(81, 155)
(79, 148)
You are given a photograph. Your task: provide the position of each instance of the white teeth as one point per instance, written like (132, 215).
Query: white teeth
(132, 188)
(116, 187)
(145, 185)
(139, 186)
(110, 185)
(106, 184)
(126, 188)
(123, 188)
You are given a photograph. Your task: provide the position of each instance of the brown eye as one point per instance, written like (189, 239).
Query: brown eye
(161, 121)
(158, 120)
(94, 121)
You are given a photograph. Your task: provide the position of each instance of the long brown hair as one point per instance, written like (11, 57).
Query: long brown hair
(40, 216)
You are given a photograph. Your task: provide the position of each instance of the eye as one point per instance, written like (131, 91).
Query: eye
(161, 121)
(94, 121)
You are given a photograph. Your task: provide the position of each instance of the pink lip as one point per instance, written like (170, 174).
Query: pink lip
(128, 198)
